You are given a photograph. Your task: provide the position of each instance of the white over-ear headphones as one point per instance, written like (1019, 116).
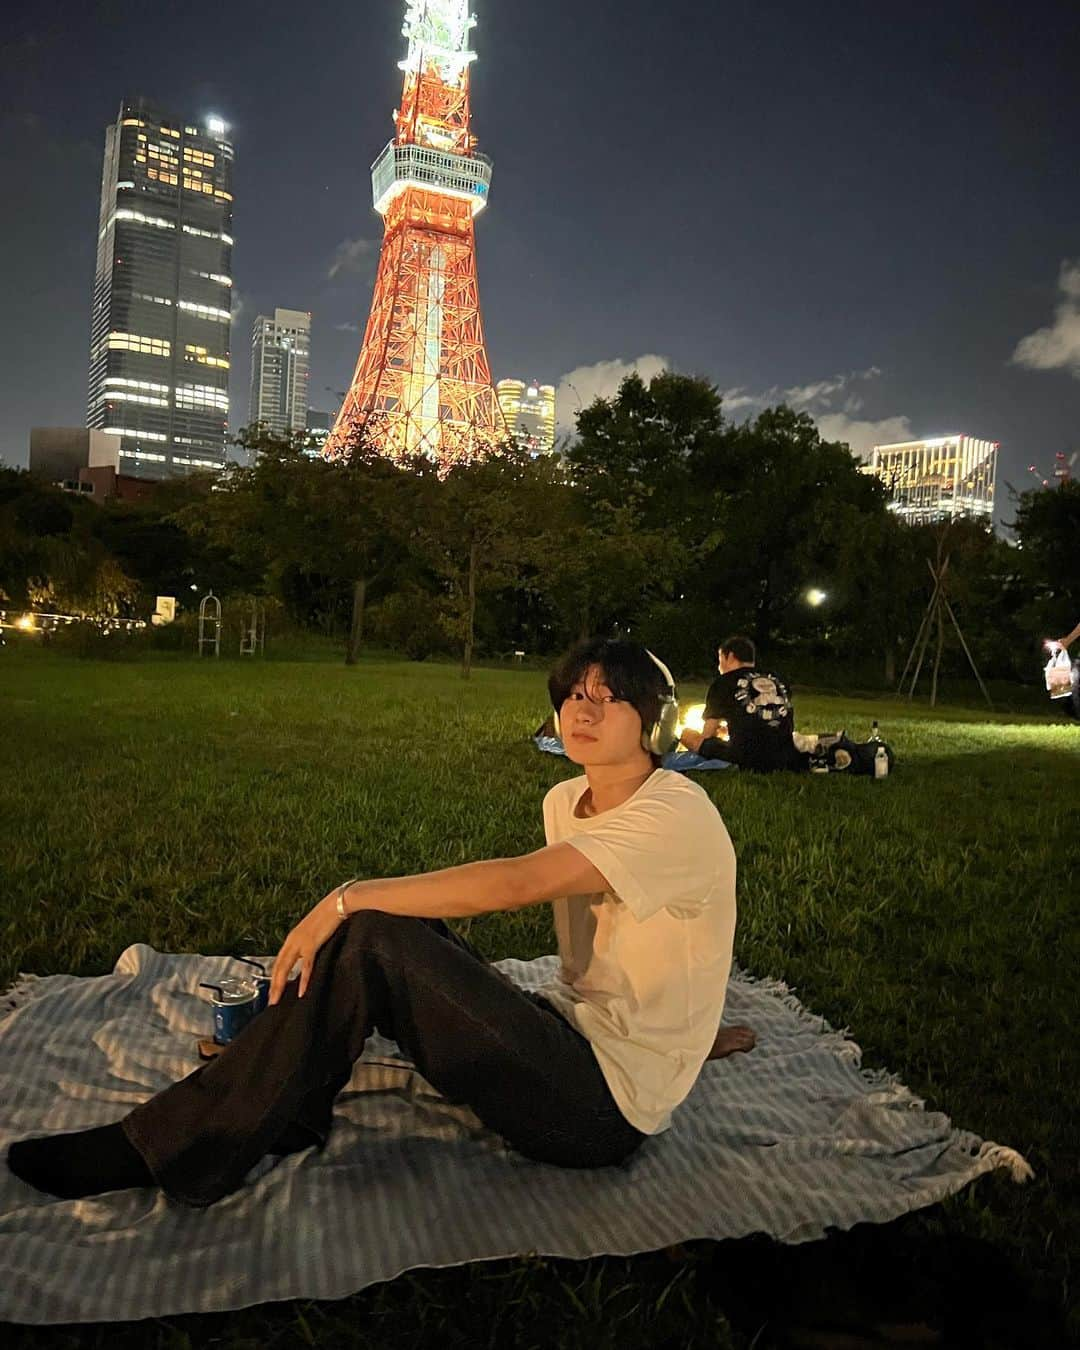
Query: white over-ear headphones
(663, 735)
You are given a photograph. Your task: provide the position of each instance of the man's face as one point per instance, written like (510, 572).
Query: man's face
(598, 728)
(724, 661)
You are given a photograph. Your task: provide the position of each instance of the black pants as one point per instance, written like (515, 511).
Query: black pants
(784, 759)
(477, 1038)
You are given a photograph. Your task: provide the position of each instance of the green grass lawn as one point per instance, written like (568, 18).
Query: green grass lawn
(202, 806)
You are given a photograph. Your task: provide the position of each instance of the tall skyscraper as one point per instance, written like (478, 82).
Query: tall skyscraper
(280, 361)
(422, 384)
(939, 478)
(529, 410)
(159, 332)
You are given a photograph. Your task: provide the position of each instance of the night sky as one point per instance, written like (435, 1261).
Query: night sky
(863, 208)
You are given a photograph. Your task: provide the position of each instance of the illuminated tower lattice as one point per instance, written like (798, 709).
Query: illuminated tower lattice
(422, 383)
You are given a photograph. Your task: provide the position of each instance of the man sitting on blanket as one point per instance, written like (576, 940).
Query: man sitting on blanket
(755, 705)
(576, 1075)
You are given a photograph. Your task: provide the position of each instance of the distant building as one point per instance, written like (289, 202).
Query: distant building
(159, 332)
(938, 479)
(84, 462)
(529, 410)
(280, 360)
(319, 426)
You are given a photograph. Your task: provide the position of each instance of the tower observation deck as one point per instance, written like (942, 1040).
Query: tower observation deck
(422, 384)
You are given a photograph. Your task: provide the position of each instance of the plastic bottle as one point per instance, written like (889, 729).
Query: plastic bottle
(881, 762)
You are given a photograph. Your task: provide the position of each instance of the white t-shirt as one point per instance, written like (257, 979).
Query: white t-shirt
(645, 964)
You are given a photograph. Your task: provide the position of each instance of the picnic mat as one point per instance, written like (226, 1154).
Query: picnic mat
(789, 1140)
(680, 761)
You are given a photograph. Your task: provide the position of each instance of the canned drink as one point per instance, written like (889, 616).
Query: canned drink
(234, 1005)
(260, 980)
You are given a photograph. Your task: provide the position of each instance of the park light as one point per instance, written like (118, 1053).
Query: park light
(26, 623)
(815, 597)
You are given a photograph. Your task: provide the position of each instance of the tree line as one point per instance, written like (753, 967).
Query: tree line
(661, 520)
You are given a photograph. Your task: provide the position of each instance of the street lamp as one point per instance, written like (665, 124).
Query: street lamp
(815, 597)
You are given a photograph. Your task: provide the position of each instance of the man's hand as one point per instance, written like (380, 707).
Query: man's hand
(302, 945)
(691, 739)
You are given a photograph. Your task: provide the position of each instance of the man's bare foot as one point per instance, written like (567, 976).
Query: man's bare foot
(731, 1040)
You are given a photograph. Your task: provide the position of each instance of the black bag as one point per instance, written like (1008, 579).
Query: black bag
(857, 757)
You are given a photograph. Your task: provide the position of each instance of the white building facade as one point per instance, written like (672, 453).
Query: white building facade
(939, 478)
(280, 371)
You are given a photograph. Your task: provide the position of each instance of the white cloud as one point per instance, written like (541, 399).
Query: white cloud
(1056, 347)
(820, 399)
(346, 328)
(583, 385)
(862, 435)
(351, 256)
(236, 306)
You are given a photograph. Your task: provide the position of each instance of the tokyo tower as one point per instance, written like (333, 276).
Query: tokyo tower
(422, 384)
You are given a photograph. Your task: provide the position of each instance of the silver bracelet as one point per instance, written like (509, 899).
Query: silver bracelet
(343, 913)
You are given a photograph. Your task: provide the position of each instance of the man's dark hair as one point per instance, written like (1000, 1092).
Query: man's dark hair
(740, 647)
(629, 672)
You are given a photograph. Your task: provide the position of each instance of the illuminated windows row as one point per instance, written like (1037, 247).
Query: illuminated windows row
(198, 156)
(200, 354)
(137, 384)
(153, 299)
(125, 213)
(202, 396)
(197, 463)
(206, 311)
(161, 177)
(211, 276)
(122, 396)
(135, 342)
(208, 234)
(142, 454)
(129, 433)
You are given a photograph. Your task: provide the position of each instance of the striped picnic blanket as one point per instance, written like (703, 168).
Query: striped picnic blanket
(789, 1140)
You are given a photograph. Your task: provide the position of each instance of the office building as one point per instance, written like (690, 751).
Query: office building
(319, 426)
(159, 335)
(529, 410)
(85, 463)
(280, 361)
(938, 479)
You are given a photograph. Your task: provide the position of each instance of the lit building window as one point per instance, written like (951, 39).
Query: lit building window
(200, 354)
(157, 221)
(202, 396)
(135, 342)
(133, 122)
(123, 396)
(137, 384)
(130, 433)
(206, 311)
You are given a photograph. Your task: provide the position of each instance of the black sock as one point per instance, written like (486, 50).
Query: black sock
(88, 1162)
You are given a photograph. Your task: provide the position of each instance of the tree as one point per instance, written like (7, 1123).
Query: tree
(287, 515)
(481, 528)
(639, 449)
(1047, 529)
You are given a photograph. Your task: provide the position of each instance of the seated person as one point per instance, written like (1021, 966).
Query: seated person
(756, 706)
(577, 1074)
